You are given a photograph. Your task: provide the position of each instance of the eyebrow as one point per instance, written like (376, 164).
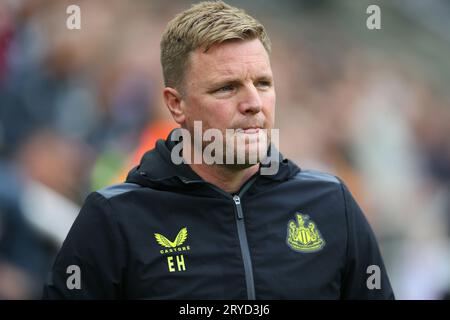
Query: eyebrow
(233, 80)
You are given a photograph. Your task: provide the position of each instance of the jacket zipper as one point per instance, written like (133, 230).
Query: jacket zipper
(242, 235)
(248, 269)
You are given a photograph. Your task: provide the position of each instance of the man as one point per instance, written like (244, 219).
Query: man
(223, 230)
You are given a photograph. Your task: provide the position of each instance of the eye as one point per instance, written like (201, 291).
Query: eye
(264, 84)
(226, 88)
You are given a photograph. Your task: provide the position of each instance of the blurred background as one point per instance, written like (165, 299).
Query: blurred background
(79, 107)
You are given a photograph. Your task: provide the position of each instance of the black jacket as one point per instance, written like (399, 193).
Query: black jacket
(167, 234)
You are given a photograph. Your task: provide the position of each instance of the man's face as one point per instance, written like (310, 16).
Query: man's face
(230, 87)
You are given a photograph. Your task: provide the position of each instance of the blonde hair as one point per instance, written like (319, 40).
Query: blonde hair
(203, 25)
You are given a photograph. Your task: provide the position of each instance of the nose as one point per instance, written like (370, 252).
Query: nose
(250, 102)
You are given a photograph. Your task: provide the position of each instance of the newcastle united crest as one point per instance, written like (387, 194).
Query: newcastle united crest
(303, 235)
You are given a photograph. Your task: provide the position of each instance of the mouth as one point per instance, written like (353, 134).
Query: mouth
(248, 130)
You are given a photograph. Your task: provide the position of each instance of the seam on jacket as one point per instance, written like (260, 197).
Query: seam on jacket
(124, 251)
(347, 220)
(317, 175)
(118, 189)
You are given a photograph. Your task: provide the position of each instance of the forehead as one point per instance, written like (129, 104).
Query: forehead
(231, 58)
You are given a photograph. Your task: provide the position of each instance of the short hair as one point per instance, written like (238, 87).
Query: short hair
(202, 26)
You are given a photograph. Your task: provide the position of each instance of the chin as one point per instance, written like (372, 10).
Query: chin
(251, 155)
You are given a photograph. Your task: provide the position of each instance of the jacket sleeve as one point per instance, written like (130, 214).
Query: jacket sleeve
(91, 260)
(365, 275)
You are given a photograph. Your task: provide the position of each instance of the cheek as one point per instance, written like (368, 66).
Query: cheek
(269, 107)
(212, 112)
(220, 115)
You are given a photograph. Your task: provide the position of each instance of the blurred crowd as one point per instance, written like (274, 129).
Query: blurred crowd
(79, 107)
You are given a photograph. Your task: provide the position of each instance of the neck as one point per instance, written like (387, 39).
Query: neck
(228, 178)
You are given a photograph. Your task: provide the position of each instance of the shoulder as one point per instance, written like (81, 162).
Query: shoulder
(99, 202)
(317, 184)
(317, 176)
(324, 187)
(117, 190)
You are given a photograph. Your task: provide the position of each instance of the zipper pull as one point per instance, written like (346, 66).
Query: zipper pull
(237, 202)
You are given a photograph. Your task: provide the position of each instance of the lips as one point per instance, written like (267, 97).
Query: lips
(251, 130)
(248, 130)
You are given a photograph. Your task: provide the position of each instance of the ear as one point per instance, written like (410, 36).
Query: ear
(174, 101)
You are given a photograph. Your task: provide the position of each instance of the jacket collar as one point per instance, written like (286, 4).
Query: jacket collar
(156, 165)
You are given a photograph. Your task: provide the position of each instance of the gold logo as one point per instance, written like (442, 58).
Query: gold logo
(173, 246)
(304, 236)
(179, 240)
